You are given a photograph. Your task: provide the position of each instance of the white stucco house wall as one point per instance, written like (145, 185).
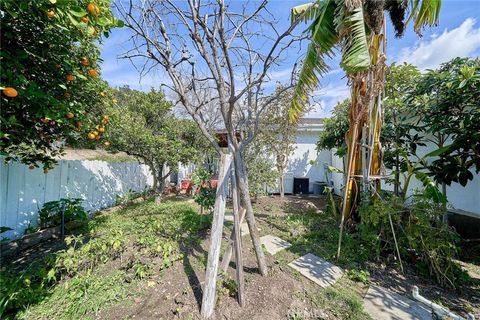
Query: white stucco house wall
(307, 162)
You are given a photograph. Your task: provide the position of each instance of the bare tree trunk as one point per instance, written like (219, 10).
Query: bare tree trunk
(159, 190)
(237, 241)
(281, 186)
(242, 179)
(160, 184)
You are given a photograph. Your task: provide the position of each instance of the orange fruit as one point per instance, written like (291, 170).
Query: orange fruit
(92, 73)
(31, 167)
(44, 120)
(84, 61)
(45, 171)
(84, 19)
(91, 136)
(92, 8)
(98, 137)
(101, 129)
(50, 13)
(70, 115)
(70, 77)
(67, 95)
(95, 133)
(106, 143)
(103, 93)
(10, 92)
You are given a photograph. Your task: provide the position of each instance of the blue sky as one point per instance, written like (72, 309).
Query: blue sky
(458, 34)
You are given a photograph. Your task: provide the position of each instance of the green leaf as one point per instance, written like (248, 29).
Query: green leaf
(324, 38)
(4, 229)
(119, 23)
(72, 20)
(334, 169)
(355, 53)
(78, 13)
(103, 21)
(439, 151)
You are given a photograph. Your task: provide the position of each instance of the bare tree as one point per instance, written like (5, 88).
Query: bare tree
(230, 49)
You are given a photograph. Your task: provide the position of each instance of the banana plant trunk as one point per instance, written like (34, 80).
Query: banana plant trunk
(364, 156)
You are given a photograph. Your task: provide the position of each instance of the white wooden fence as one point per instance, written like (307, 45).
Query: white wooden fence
(24, 191)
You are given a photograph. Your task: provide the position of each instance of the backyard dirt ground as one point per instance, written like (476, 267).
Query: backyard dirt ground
(175, 293)
(283, 294)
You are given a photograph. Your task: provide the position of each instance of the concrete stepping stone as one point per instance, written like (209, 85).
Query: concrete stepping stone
(383, 304)
(274, 244)
(316, 269)
(243, 227)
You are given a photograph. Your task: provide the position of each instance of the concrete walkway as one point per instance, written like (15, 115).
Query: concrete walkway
(382, 304)
(379, 302)
(274, 244)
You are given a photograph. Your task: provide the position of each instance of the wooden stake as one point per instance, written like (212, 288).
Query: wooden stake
(209, 289)
(237, 240)
(227, 256)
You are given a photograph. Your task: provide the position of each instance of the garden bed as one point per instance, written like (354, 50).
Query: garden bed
(154, 261)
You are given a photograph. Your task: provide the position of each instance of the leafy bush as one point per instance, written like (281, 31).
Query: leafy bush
(359, 275)
(126, 198)
(205, 193)
(51, 212)
(433, 243)
(423, 238)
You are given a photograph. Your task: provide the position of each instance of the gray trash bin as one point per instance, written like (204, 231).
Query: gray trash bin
(319, 187)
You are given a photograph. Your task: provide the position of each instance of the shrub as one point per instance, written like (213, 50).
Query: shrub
(422, 236)
(51, 212)
(205, 193)
(433, 243)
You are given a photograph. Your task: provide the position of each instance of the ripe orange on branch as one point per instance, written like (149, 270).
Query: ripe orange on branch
(92, 8)
(70, 77)
(101, 129)
(10, 92)
(84, 61)
(91, 136)
(92, 73)
(50, 13)
(106, 143)
(70, 115)
(84, 19)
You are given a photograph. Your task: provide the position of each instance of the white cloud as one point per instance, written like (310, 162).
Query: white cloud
(326, 98)
(462, 41)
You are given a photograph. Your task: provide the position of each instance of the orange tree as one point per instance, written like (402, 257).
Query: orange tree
(51, 91)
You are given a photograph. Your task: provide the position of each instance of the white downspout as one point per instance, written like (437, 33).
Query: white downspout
(439, 310)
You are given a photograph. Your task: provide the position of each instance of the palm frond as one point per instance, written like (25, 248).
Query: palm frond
(424, 13)
(324, 39)
(305, 12)
(355, 54)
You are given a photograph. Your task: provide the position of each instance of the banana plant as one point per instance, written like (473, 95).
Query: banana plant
(358, 29)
